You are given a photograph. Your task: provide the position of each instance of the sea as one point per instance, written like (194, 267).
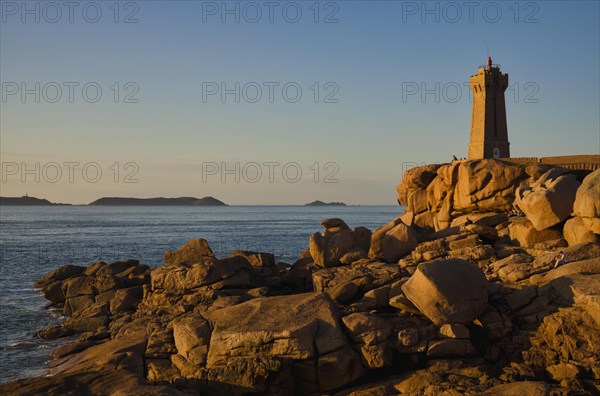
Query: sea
(37, 240)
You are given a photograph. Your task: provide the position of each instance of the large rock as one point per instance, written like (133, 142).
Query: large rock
(118, 267)
(487, 184)
(250, 375)
(448, 291)
(373, 336)
(88, 293)
(256, 259)
(398, 242)
(83, 285)
(191, 334)
(125, 299)
(304, 328)
(412, 192)
(327, 249)
(525, 234)
(495, 324)
(576, 232)
(355, 280)
(59, 274)
(393, 241)
(337, 241)
(191, 252)
(161, 344)
(54, 292)
(440, 196)
(549, 200)
(471, 186)
(587, 201)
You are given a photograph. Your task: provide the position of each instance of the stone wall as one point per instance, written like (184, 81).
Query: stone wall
(573, 162)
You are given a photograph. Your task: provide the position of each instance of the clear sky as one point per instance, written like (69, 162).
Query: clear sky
(382, 89)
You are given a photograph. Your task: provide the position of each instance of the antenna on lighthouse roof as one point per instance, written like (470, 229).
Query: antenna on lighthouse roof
(489, 59)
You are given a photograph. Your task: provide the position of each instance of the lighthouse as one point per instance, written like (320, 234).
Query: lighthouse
(489, 134)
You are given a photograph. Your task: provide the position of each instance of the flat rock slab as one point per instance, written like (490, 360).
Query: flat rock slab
(303, 327)
(589, 266)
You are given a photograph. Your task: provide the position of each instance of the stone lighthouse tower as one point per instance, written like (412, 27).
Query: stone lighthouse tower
(489, 135)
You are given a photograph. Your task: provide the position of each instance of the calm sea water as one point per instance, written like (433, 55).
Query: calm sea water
(36, 240)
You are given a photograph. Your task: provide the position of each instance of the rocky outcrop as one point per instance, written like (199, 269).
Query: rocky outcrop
(487, 304)
(91, 295)
(483, 192)
(549, 200)
(544, 193)
(393, 241)
(486, 185)
(460, 188)
(338, 244)
(412, 192)
(452, 316)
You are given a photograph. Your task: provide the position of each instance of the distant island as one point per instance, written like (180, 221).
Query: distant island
(27, 201)
(125, 201)
(182, 201)
(321, 203)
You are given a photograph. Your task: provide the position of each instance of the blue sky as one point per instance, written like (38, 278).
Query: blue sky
(366, 59)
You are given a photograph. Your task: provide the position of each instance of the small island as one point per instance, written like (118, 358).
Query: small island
(181, 201)
(26, 200)
(321, 203)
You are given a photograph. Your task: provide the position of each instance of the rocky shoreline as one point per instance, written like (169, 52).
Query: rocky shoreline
(488, 284)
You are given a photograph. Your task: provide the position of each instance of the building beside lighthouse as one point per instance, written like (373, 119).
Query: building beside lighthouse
(489, 134)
